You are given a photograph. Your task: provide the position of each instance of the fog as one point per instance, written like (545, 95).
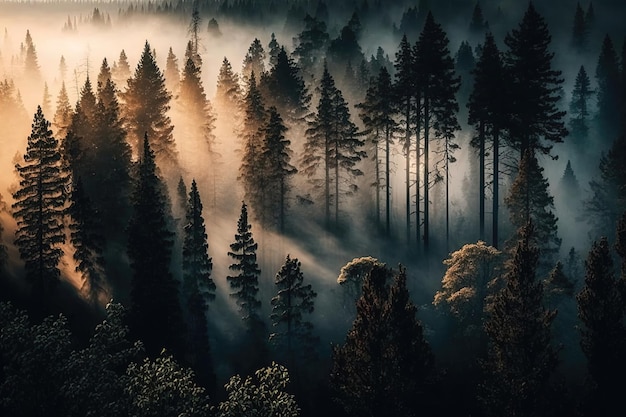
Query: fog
(321, 252)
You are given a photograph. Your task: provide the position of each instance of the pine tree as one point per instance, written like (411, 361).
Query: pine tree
(273, 48)
(88, 241)
(406, 97)
(284, 88)
(332, 145)
(46, 105)
(254, 61)
(63, 114)
(603, 334)
(477, 24)
(385, 365)
(537, 122)
(172, 73)
(156, 313)
(529, 199)
(39, 210)
(121, 70)
(580, 107)
(608, 93)
(521, 357)
(198, 286)
(294, 301)
(277, 170)
(378, 115)
(579, 30)
(245, 286)
(146, 103)
(31, 64)
(251, 171)
(194, 32)
(228, 95)
(103, 76)
(488, 113)
(310, 45)
(438, 85)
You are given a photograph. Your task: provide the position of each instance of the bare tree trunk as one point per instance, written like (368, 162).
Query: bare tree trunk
(496, 173)
(481, 181)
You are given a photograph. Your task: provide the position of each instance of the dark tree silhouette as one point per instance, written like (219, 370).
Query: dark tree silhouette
(580, 31)
(385, 365)
(580, 108)
(608, 93)
(156, 314)
(603, 335)
(521, 357)
(39, 210)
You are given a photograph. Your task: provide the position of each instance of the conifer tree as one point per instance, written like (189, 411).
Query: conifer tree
(251, 171)
(39, 209)
(385, 365)
(46, 105)
(580, 107)
(156, 313)
(310, 45)
(406, 98)
(104, 75)
(521, 357)
(488, 104)
(121, 70)
(254, 61)
(88, 241)
(31, 64)
(294, 301)
(277, 170)
(198, 286)
(603, 334)
(273, 48)
(608, 92)
(284, 88)
(378, 114)
(478, 25)
(529, 199)
(438, 85)
(172, 73)
(63, 114)
(194, 32)
(536, 121)
(228, 94)
(579, 30)
(146, 102)
(245, 287)
(333, 147)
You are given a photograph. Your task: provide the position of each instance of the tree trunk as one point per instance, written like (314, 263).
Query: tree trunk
(426, 173)
(418, 237)
(407, 146)
(481, 181)
(496, 204)
(327, 183)
(387, 185)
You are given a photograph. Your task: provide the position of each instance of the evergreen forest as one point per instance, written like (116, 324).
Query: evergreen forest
(312, 207)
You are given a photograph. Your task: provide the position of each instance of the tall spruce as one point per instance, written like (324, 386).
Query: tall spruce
(228, 93)
(198, 287)
(488, 104)
(254, 61)
(536, 120)
(146, 103)
(39, 210)
(521, 357)
(529, 199)
(88, 241)
(608, 93)
(385, 366)
(438, 85)
(579, 30)
(172, 73)
(156, 314)
(377, 113)
(294, 302)
(333, 147)
(245, 287)
(603, 333)
(63, 114)
(406, 98)
(580, 108)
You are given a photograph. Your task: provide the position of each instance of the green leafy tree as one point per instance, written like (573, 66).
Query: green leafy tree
(198, 286)
(164, 388)
(39, 209)
(488, 104)
(294, 301)
(521, 357)
(603, 334)
(264, 395)
(156, 314)
(385, 365)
